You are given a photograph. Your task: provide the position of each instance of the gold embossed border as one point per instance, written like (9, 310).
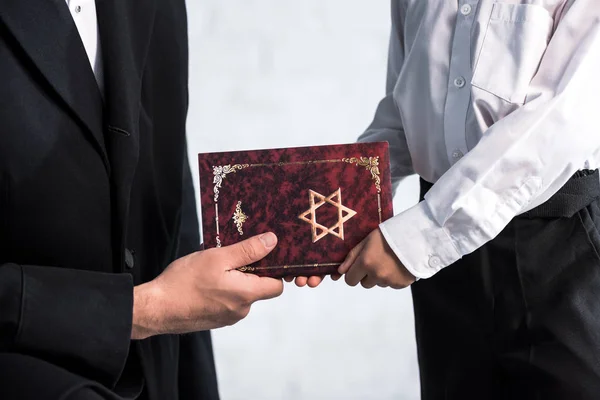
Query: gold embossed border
(256, 269)
(371, 164)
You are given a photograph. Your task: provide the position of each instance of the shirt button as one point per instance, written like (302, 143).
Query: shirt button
(457, 154)
(459, 82)
(466, 9)
(434, 262)
(129, 260)
(78, 9)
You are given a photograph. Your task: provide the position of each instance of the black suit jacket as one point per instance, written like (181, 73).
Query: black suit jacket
(96, 194)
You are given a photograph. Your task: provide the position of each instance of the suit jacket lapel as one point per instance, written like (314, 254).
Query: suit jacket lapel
(48, 35)
(125, 30)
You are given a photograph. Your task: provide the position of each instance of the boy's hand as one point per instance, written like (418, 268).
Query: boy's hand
(373, 263)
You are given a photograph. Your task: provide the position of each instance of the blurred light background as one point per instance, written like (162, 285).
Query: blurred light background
(281, 73)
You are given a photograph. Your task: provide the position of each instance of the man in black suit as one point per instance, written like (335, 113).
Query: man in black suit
(99, 261)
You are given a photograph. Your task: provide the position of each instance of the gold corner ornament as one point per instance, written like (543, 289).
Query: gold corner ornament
(371, 164)
(239, 217)
(310, 215)
(220, 172)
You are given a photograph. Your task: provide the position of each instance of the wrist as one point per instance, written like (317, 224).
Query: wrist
(147, 312)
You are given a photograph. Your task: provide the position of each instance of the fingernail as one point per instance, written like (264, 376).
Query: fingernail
(269, 240)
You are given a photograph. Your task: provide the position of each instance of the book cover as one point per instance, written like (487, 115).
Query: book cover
(320, 201)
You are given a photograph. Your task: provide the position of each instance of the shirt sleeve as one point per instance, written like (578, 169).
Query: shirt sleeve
(520, 162)
(79, 320)
(387, 123)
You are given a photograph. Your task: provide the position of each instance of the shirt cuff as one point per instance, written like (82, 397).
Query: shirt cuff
(419, 242)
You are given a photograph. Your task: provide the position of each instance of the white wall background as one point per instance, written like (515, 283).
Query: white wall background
(280, 73)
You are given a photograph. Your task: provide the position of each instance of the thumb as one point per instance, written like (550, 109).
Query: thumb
(351, 257)
(251, 250)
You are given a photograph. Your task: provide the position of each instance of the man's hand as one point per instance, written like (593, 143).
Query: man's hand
(373, 263)
(203, 290)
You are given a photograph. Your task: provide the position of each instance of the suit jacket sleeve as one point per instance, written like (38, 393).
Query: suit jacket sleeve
(197, 376)
(79, 320)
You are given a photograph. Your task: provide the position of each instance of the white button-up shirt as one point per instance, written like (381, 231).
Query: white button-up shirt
(497, 103)
(84, 15)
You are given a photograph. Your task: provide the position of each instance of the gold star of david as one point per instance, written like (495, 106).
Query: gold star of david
(310, 215)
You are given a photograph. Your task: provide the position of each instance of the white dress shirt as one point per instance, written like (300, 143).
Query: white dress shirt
(84, 15)
(497, 103)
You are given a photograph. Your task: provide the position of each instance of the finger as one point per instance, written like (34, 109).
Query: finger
(301, 281)
(398, 286)
(335, 277)
(250, 250)
(368, 282)
(269, 288)
(289, 279)
(315, 281)
(356, 273)
(261, 288)
(351, 257)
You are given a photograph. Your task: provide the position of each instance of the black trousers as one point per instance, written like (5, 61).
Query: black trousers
(520, 317)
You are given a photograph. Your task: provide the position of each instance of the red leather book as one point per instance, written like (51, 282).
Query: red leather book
(320, 202)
